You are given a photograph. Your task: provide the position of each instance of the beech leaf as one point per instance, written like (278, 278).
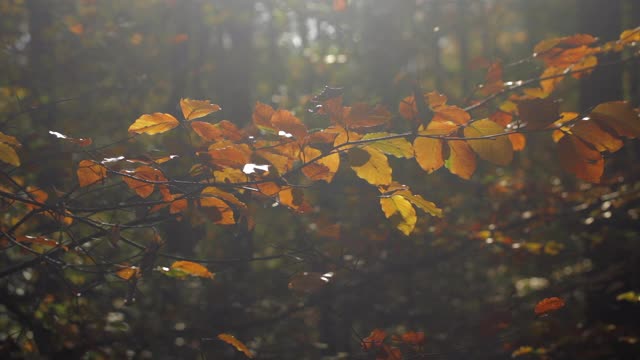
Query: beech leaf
(193, 269)
(90, 172)
(152, 124)
(370, 165)
(194, 109)
(398, 147)
(396, 204)
(497, 150)
(231, 340)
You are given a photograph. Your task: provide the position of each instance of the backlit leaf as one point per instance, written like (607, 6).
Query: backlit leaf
(398, 147)
(155, 123)
(630, 296)
(428, 153)
(7, 151)
(324, 168)
(361, 115)
(462, 160)
(36, 194)
(413, 338)
(579, 159)
(231, 340)
(548, 305)
(193, 269)
(193, 109)
(79, 141)
(370, 165)
(127, 272)
(398, 205)
(374, 340)
(497, 150)
(618, 116)
(261, 116)
(284, 120)
(222, 212)
(90, 172)
(451, 113)
(142, 180)
(592, 133)
(419, 201)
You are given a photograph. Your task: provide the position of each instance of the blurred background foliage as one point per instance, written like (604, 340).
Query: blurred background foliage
(510, 236)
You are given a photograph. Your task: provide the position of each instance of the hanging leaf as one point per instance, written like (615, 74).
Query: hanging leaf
(538, 113)
(231, 340)
(191, 268)
(497, 150)
(374, 340)
(7, 150)
(419, 201)
(370, 165)
(324, 168)
(194, 109)
(428, 153)
(362, 116)
(284, 120)
(261, 116)
(580, 159)
(548, 305)
(219, 210)
(90, 172)
(451, 113)
(462, 160)
(592, 133)
(398, 147)
(144, 173)
(618, 116)
(152, 124)
(128, 272)
(398, 205)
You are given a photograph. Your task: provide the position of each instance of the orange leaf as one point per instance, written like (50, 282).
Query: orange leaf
(361, 115)
(518, 141)
(493, 81)
(90, 172)
(548, 305)
(261, 116)
(284, 120)
(231, 340)
(155, 123)
(40, 240)
(374, 340)
(462, 160)
(323, 168)
(413, 338)
(143, 188)
(222, 212)
(580, 159)
(229, 155)
(127, 272)
(618, 116)
(339, 5)
(451, 113)
(7, 149)
(592, 133)
(192, 268)
(193, 109)
(428, 153)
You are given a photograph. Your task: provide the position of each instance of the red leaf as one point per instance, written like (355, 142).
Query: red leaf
(548, 305)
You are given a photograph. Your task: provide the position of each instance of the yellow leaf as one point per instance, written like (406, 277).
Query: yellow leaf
(155, 123)
(194, 109)
(7, 152)
(127, 273)
(324, 168)
(211, 191)
(396, 204)
(192, 268)
(370, 165)
(398, 147)
(461, 161)
(231, 340)
(419, 201)
(90, 172)
(497, 150)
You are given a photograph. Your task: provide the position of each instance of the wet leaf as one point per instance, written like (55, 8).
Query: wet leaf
(399, 205)
(41, 241)
(90, 172)
(152, 124)
(497, 150)
(462, 160)
(548, 305)
(194, 109)
(193, 269)
(398, 147)
(231, 340)
(580, 159)
(370, 165)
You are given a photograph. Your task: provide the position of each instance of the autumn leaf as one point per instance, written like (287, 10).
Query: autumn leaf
(618, 116)
(413, 338)
(592, 133)
(146, 175)
(7, 150)
(323, 168)
(90, 172)
(194, 109)
(222, 213)
(37, 195)
(40, 241)
(128, 272)
(538, 113)
(497, 150)
(370, 165)
(309, 282)
(580, 159)
(361, 116)
(374, 340)
(462, 160)
(493, 82)
(428, 153)
(451, 113)
(211, 191)
(420, 202)
(191, 268)
(398, 147)
(231, 340)
(396, 204)
(261, 117)
(548, 305)
(284, 120)
(152, 124)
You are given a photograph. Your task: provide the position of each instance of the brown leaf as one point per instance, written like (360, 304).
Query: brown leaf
(538, 113)
(497, 150)
(547, 305)
(618, 116)
(152, 124)
(284, 120)
(323, 168)
(193, 109)
(462, 160)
